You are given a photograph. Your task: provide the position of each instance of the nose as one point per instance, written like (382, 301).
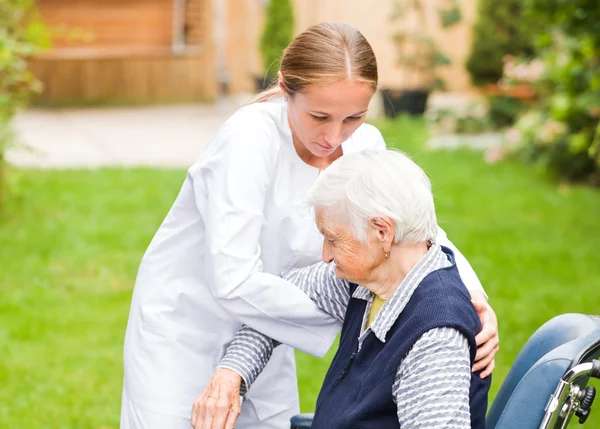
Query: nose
(327, 253)
(334, 135)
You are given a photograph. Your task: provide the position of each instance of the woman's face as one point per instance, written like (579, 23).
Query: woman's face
(355, 261)
(324, 115)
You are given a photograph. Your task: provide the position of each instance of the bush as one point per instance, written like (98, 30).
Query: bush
(499, 31)
(562, 130)
(20, 36)
(277, 35)
(503, 110)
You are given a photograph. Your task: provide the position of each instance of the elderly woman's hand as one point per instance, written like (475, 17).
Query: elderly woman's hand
(487, 340)
(218, 407)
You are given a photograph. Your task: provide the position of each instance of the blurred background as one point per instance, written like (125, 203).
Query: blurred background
(104, 104)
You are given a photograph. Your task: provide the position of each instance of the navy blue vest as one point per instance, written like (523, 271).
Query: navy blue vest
(357, 390)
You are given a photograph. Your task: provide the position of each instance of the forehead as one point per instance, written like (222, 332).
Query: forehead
(343, 97)
(328, 222)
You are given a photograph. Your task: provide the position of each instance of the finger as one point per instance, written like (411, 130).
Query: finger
(486, 349)
(194, 414)
(485, 361)
(207, 414)
(234, 410)
(222, 407)
(234, 413)
(198, 410)
(480, 306)
(489, 369)
(482, 363)
(486, 335)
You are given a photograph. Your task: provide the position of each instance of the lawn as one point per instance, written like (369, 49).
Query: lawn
(71, 242)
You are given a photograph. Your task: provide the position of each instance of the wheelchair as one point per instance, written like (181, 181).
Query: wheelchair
(548, 383)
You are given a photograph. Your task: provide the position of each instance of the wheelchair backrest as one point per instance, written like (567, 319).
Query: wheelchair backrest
(555, 347)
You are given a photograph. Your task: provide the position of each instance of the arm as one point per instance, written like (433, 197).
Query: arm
(249, 351)
(233, 180)
(488, 341)
(465, 270)
(320, 283)
(423, 401)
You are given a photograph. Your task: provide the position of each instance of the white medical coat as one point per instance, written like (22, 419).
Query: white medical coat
(239, 221)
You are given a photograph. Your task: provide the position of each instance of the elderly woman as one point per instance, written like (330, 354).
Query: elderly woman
(408, 337)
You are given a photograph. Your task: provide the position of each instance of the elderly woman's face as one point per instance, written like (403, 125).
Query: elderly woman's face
(355, 261)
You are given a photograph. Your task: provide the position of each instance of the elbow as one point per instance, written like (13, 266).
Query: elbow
(223, 293)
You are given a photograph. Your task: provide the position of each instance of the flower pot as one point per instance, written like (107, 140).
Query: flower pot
(411, 101)
(523, 92)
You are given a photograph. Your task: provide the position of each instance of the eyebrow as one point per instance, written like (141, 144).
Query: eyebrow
(327, 114)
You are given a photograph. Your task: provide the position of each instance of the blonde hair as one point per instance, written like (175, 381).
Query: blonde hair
(324, 53)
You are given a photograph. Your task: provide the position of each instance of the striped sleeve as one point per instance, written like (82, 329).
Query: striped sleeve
(249, 351)
(248, 354)
(319, 282)
(433, 382)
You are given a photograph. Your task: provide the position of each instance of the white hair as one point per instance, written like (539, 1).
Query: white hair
(364, 185)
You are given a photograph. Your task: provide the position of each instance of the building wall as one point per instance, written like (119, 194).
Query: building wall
(247, 16)
(245, 20)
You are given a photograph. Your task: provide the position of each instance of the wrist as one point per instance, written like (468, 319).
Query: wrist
(233, 376)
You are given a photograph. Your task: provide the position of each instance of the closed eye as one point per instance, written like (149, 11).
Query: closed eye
(319, 118)
(354, 118)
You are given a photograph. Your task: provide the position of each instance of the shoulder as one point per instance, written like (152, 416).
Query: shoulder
(253, 132)
(256, 120)
(366, 137)
(443, 295)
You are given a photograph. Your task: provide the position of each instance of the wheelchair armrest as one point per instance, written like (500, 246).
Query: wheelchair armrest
(301, 421)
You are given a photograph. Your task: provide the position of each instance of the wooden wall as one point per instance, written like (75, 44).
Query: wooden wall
(244, 23)
(125, 79)
(109, 23)
(108, 51)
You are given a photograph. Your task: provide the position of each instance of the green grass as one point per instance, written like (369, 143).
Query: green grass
(71, 241)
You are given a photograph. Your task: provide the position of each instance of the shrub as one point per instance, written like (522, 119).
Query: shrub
(562, 129)
(499, 31)
(20, 36)
(277, 35)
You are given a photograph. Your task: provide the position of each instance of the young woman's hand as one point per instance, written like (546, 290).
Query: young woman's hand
(487, 340)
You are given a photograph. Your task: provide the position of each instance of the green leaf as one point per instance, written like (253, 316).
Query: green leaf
(398, 10)
(451, 16)
(578, 143)
(437, 84)
(440, 59)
